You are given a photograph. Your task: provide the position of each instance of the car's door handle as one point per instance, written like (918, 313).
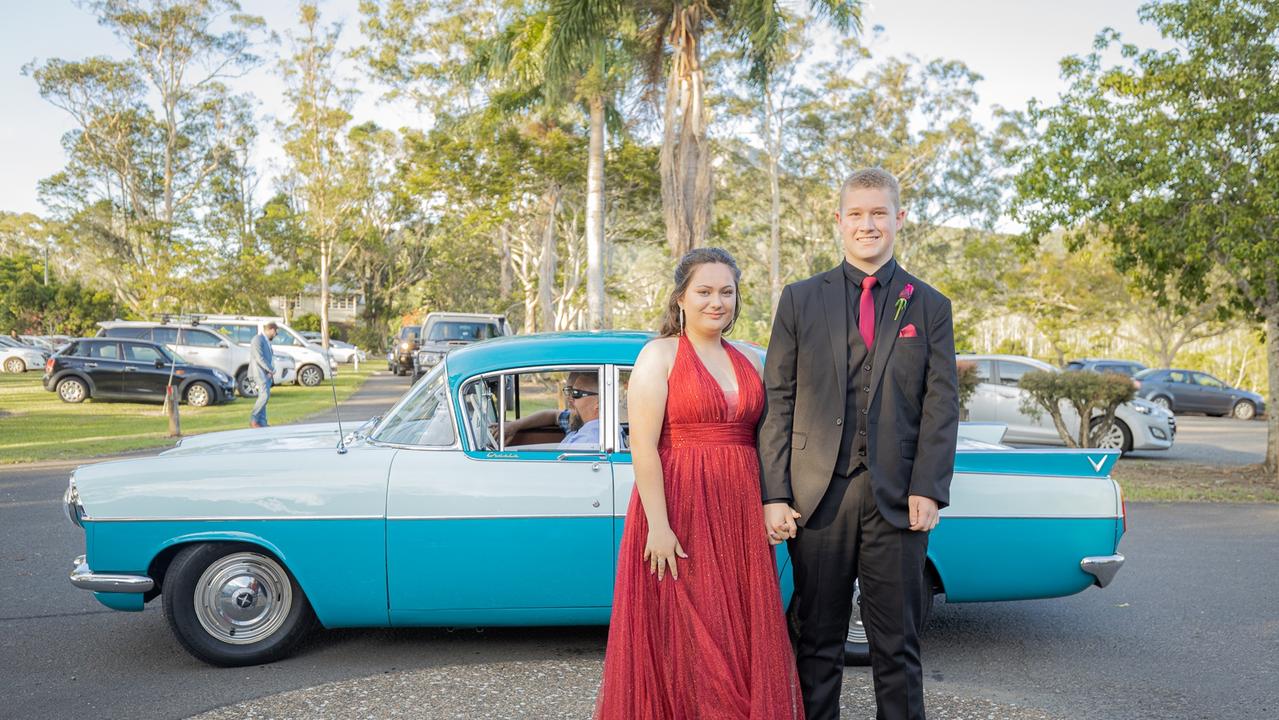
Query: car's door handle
(90, 364)
(130, 368)
(582, 457)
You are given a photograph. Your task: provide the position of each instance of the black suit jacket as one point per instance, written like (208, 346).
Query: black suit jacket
(913, 420)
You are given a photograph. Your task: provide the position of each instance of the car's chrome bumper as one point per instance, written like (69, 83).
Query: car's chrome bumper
(85, 579)
(1102, 567)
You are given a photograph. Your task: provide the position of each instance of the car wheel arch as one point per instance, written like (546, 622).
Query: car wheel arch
(164, 556)
(82, 377)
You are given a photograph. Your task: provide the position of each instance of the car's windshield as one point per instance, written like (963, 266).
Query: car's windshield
(459, 330)
(422, 417)
(1145, 373)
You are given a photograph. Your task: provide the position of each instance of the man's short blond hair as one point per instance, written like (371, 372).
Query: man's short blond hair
(872, 178)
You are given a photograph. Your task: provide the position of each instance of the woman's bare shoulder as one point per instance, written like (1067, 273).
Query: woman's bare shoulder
(658, 354)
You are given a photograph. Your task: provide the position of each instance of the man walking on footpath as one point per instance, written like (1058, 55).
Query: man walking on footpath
(262, 369)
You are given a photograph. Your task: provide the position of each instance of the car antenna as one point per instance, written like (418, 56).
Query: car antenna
(333, 385)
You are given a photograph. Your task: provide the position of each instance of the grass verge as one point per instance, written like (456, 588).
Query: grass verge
(35, 425)
(1163, 481)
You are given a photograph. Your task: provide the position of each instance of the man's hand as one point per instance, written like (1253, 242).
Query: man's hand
(923, 513)
(779, 522)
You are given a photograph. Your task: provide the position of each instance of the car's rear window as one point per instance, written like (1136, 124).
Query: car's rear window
(128, 332)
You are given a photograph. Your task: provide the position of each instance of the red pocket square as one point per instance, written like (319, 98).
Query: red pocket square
(908, 331)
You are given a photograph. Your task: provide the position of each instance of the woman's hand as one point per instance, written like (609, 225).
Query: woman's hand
(662, 549)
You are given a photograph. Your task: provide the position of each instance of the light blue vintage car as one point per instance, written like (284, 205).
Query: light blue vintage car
(439, 515)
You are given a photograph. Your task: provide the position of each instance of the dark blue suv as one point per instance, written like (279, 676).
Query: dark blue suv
(1194, 391)
(131, 370)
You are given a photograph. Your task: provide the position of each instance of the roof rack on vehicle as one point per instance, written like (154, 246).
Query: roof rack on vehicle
(178, 318)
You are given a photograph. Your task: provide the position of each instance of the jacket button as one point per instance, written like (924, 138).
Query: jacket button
(866, 389)
(861, 432)
(866, 368)
(864, 411)
(839, 421)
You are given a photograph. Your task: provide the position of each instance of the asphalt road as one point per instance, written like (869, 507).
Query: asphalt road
(1214, 441)
(1189, 629)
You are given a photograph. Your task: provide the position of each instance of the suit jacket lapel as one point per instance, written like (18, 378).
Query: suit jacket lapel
(835, 300)
(886, 331)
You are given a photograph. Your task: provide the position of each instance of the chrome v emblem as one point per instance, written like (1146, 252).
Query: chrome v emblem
(1096, 464)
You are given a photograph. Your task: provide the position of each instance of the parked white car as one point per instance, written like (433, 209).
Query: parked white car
(16, 357)
(1139, 424)
(344, 352)
(313, 367)
(199, 345)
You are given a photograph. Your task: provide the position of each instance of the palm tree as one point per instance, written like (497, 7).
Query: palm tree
(521, 57)
(672, 36)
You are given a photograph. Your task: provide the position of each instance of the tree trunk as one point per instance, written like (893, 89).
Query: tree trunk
(504, 235)
(595, 299)
(546, 267)
(326, 251)
(1272, 403)
(772, 142)
(685, 156)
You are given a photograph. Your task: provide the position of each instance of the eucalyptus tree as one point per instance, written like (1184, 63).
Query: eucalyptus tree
(673, 37)
(319, 113)
(150, 130)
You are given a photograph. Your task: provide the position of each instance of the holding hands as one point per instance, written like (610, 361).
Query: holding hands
(779, 522)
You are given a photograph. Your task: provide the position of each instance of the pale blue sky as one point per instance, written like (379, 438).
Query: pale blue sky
(1015, 45)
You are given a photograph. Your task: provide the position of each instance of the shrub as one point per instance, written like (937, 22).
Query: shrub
(1084, 390)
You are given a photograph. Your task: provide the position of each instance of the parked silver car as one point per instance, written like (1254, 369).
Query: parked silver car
(1139, 424)
(16, 357)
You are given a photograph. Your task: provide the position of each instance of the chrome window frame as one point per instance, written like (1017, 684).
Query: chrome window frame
(606, 413)
(615, 396)
(371, 439)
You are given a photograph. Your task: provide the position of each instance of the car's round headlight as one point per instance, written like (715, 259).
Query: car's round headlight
(221, 376)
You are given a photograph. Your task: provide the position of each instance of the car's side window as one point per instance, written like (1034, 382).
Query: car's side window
(1209, 381)
(141, 353)
(983, 369)
(1178, 377)
(165, 335)
(423, 418)
(283, 338)
(543, 410)
(623, 414)
(104, 351)
(199, 338)
(1010, 373)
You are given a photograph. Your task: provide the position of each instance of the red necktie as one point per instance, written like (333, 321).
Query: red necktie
(866, 312)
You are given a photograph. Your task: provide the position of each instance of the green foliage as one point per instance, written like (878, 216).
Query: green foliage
(31, 307)
(1085, 392)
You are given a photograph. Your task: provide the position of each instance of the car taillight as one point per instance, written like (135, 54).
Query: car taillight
(1123, 509)
(48, 365)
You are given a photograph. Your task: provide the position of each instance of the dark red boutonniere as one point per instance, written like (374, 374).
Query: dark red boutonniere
(902, 299)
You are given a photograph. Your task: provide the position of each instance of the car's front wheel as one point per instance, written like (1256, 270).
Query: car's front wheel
(15, 365)
(231, 604)
(310, 375)
(199, 395)
(1117, 436)
(1162, 401)
(1245, 410)
(72, 390)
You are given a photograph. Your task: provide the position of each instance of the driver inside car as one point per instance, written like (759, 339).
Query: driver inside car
(580, 422)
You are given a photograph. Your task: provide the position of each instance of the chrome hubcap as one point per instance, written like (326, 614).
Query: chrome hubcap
(15, 366)
(71, 391)
(856, 629)
(1244, 411)
(248, 387)
(310, 376)
(243, 598)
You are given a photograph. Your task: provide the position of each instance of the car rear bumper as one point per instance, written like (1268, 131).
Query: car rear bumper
(1102, 567)
(83, 577)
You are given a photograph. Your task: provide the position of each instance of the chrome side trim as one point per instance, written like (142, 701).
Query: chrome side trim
(85, 579)
(499, 517)
(238, 518)
(1102, 567)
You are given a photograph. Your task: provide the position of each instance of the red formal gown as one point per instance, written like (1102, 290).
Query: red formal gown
(712, 644)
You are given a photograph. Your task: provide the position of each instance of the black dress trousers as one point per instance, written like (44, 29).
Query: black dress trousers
(846, 538)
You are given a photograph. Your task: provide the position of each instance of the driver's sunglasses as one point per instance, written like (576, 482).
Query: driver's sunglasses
(577, 393)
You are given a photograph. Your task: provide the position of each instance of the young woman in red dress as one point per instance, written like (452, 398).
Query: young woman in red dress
(698, 629)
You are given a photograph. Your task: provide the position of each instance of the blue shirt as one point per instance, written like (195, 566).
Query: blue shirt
(586, 436)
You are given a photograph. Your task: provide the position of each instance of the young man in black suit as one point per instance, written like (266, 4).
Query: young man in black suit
(858, 448)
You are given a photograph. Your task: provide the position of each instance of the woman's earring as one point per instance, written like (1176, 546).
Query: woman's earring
(681, 321)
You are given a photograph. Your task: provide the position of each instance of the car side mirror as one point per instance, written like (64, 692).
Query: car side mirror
(224, 344)
(159, 363)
